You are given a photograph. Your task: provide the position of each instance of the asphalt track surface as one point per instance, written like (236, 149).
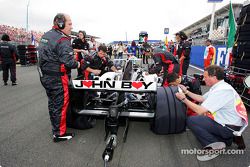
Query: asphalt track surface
(26, 140)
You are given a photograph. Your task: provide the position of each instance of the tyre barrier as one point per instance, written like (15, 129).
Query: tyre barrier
(171, 113)
(23, 59)
(241, 49)
(244, 28)
(22, 47)
(245, 63)
(245, 11)
(27, 54)
(242, 34)
(31, 54)
(21, 50)
(244, 19)
(242, 38)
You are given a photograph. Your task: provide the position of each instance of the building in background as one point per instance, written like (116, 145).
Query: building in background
(199, 31)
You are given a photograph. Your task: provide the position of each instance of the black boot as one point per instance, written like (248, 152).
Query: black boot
(14, 83)
(66, 136)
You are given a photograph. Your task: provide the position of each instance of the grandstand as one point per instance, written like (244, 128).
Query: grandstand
(20, 35)
(199, 30)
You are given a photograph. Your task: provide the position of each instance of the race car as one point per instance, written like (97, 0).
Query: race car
(119, 96)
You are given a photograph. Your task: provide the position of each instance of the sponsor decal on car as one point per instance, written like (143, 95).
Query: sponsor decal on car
(115, 85)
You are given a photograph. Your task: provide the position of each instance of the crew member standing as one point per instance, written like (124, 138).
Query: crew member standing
(56, 61)
(81, 48)
(183, 52)
(209, 55)
(8, 58)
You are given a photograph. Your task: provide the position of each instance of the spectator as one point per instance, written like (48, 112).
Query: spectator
(134, 48)
(92, 45)
(115, 47)
(171, 47)
(110, 51)
(145, 45)
(120, 51)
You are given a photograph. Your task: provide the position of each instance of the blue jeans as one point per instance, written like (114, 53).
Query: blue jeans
(208, 131)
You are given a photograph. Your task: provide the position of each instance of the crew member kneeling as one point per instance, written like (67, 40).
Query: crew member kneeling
(163, 62)
(221, 114)
(96, 63)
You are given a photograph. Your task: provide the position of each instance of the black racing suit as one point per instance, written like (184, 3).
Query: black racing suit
(8, 57)
(56, 61)
(166, 62)
(95, 62)
(184, 50)
(79, 44)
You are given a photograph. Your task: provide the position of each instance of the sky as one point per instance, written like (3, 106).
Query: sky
(111, 20)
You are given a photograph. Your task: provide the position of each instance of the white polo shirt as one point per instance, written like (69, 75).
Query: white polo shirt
(220, 101)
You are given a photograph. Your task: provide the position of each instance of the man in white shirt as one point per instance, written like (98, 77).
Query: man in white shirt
(220, 114)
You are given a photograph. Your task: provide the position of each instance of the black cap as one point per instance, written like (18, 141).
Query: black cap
(5, 37)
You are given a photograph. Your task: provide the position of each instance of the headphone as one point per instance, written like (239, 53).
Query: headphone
(59, 21)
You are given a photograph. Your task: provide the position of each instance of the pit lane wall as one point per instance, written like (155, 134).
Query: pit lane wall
(197, 56)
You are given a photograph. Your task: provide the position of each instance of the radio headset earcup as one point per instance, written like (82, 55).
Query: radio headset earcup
(60, 20)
